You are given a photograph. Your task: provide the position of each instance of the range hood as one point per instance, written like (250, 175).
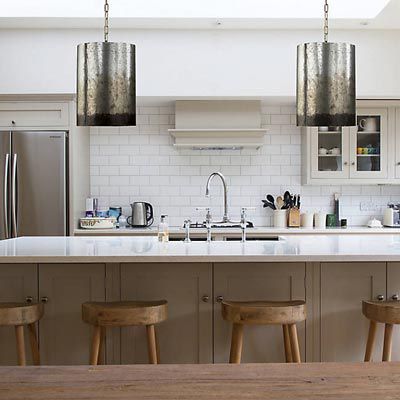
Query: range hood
(218, 124)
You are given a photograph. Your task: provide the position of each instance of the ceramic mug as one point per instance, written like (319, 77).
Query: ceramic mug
(320, 220)
(307, 220)
(368, 124)
(359, 150)
(335, 151)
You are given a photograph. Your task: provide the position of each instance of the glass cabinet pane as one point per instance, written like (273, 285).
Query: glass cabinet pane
(330, 148)
(368, 143)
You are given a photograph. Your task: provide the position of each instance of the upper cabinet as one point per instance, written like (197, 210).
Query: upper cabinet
(363, 154)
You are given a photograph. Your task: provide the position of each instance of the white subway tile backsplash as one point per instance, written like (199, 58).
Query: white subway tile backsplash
(140, 164)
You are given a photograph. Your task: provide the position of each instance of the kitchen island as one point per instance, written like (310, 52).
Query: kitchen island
(333, 273)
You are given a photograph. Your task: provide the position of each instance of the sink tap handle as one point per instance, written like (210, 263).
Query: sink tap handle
(186, 224)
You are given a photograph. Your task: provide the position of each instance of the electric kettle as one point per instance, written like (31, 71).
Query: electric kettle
(142, 215)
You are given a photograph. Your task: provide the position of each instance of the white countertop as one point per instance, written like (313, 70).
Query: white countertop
(262, 230)
(346, 248)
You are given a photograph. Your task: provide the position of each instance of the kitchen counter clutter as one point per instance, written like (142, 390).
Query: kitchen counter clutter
(114, 249)
(290, 382)
(221, 233)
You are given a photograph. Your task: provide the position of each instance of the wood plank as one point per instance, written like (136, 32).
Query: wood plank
(219, 381)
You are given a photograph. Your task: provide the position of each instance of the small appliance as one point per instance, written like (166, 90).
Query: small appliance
(142, 215)
(391, 216)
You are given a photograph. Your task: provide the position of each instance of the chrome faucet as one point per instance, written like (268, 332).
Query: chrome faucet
(210, 178)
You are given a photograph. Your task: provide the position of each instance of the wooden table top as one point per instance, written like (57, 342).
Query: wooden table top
(220, 381)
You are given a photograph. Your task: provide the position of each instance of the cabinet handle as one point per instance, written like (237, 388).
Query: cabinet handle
(345, 163)
(398, 163)
(44, 299)
(353, 163)
(205, 298)
(219, 299)
(28, 299)
(395, 297)
(380, 297)
(12, 122)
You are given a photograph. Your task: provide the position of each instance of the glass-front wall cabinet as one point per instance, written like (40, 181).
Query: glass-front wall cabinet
(329, 152)
(368, 144)
(351, 152)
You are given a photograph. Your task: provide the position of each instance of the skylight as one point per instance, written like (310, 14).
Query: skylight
(268, 9)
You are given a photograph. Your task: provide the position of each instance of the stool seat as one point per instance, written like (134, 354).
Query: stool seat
(20, 315)
(264, 312)
(386, 312)
(14, 314)
(124, 313)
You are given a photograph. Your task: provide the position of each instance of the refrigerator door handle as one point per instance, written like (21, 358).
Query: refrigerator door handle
(5, 195)
(14, 195)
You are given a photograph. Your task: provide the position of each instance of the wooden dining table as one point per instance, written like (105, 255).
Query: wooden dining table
(217, 381)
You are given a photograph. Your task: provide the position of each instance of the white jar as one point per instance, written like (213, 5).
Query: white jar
(307, 220)
(320, 220)
(280, 218)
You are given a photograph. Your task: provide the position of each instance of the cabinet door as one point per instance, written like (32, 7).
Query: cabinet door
(397, 146)
(344, 329)
(256, 281)
(17, 283)
(186, 336)
(329, 152)
(369, 144)
(393, 292)
(33, 114)
(64, 337)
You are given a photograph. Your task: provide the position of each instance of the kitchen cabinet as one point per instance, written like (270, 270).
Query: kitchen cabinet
(350, 155)
(25, 114)
(186, 336)
(18, 283)
(344, 329)
(64, 338)
(256, 281)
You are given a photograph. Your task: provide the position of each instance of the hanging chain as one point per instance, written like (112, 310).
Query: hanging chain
(326, 9)
(106, 8)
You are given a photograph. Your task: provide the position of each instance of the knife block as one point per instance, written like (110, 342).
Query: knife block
(294, 218)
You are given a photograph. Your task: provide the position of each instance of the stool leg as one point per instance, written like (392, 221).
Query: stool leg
(102, 338)
(151, 344)
(19, 334)
(236, 344)
(294, 343)
(94, 355)
(370, 341)
(157, 346)
(387, 343)
(34, 344)
(286, 341)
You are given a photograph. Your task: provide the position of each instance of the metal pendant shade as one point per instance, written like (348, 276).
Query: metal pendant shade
(326, 90)
(106, 84)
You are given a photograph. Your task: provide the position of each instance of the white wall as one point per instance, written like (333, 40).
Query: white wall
(140, 164)
(195, 63)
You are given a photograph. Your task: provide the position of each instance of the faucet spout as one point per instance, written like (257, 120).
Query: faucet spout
(210, 178)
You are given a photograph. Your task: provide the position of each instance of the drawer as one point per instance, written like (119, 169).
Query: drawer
(33, 114)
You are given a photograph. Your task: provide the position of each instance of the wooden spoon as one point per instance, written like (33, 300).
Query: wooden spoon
(279, 202)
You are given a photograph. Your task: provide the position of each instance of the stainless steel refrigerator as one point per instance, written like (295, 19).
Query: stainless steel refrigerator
(33, 178)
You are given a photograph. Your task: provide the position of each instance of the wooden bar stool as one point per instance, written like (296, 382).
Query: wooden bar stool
(124, 313)
(385, 312)
(285, 313)
(19, 315)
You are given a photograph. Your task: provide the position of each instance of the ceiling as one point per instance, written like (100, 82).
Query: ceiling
(205, 14)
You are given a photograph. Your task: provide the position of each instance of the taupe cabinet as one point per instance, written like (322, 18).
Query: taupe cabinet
(335, 329)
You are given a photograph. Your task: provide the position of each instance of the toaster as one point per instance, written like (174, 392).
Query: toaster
(391, 216)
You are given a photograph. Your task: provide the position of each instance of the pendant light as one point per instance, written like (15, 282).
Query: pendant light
(106, 87)
(326, 82)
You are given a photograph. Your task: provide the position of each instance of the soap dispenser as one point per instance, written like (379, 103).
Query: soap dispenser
(163, 229)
